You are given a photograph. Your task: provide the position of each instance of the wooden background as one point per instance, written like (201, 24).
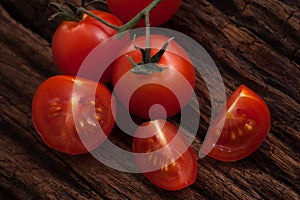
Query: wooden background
(254, 42)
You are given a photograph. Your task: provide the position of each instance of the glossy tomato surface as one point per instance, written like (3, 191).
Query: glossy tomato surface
(246, 123)
(127, 9)
(168, 161)
(73, 41)
(171, 88)
(71, 123)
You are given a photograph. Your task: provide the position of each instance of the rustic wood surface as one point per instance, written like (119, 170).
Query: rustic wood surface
(253, 42)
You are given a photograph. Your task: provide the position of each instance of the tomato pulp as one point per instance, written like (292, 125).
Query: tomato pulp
(169, 161)
(247, 122)
(68, 120)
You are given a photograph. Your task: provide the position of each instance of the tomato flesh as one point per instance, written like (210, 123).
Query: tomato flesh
(55, 112)
(168, 165)
(247, 122)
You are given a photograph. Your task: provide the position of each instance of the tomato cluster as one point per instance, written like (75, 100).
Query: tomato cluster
(75, 115)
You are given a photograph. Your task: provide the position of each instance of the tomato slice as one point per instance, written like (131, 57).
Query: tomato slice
(247, 122)
(168, 160)
(67, 120)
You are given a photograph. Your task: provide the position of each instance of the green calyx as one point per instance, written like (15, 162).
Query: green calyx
(149, 64)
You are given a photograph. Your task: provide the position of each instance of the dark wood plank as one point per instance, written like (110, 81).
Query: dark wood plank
(255, 43)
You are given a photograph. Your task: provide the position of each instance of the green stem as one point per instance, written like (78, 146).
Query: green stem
(148, 48)
(129, 25)
(94, 1)
(66, 11)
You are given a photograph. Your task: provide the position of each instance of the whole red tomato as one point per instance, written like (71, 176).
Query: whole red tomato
(73, 41)
(168, 160)
(68, 119)
(172, 88)
(127, 9)
(246, 124)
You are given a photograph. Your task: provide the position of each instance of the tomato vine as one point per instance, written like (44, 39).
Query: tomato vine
(71, 12)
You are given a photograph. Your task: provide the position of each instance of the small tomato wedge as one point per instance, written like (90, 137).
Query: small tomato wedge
(246, 123)
(165, 158)
(69, 120)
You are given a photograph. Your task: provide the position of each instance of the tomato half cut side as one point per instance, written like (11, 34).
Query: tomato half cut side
(71, 123)
(168, 165)
(247, 123)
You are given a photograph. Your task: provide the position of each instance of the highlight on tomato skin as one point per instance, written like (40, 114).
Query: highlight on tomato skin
(247, 122)
(69, 120)
(164, 155)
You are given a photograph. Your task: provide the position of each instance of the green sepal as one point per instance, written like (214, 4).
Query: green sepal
(160, 53)
(148, 65)
(147, 69)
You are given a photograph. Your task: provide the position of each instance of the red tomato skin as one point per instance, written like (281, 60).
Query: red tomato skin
(247, 123)
(73, 41)
(158, 16)
(147, 141)
(53, 118)
(152, 89)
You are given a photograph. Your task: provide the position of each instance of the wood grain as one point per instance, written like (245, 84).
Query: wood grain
(253, 42)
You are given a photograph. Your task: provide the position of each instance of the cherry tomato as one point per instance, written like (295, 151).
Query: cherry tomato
(73, 41)
(246, 124)
(159, 15)
(171, 88)
(69, 123)
(168, 161)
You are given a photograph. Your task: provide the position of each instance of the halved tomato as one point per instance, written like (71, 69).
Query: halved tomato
(246, 123)
(165, 158)
(73, 115)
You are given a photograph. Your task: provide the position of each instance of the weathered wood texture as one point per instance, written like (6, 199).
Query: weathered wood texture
(253, 42)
